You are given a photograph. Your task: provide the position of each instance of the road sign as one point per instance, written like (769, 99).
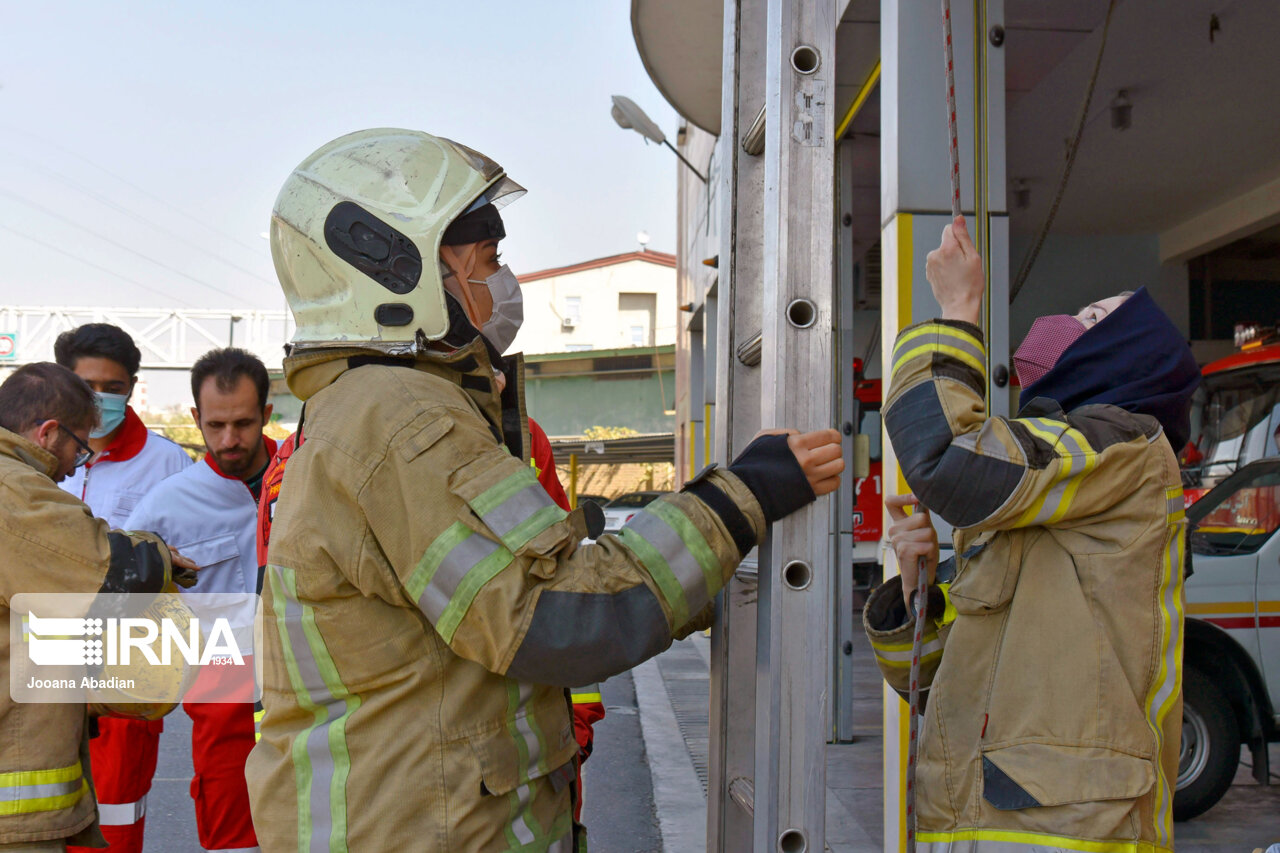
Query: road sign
(8, 346)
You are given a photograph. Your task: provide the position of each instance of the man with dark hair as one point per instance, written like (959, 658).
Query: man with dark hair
(52, 544)
(128, 461)
(211, 511)
(51, 408)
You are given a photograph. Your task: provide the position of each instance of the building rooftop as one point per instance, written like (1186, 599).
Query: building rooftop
(660, 258)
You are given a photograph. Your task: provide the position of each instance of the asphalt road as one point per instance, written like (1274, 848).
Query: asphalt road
(619, 805)
(171, 816)
(618, 809)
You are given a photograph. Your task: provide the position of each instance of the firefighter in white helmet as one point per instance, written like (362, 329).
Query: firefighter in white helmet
(427, 601)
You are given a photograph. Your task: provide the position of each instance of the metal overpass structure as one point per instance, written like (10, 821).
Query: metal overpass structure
(169, 338)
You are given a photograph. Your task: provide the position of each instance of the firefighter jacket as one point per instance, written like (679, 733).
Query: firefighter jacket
(51, 543)
(1054, 707)
(428, 604)
(588, 709)
(116, 478)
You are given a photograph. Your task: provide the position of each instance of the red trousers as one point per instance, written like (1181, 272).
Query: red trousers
(221, 738)
(123, 758)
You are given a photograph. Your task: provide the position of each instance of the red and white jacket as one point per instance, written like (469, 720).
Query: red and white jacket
(211, 518)
(122, 474)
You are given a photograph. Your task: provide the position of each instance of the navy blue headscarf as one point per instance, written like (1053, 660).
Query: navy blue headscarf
(1134, 358)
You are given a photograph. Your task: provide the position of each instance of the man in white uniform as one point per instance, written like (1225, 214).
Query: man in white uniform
(128, 461)
(210, 513)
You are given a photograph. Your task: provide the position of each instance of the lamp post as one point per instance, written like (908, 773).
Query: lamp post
(631, 117)
(231, 329)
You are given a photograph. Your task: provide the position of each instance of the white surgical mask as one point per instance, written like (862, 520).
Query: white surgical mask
(508, 308)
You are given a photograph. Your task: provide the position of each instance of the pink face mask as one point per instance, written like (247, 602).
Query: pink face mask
(1044, 344)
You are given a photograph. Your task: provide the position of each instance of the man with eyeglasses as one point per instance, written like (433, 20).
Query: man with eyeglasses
(52, 544)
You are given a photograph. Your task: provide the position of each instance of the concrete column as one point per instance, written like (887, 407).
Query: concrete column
(915, 206)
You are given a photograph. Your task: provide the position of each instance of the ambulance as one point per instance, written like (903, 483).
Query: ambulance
(1231, 680)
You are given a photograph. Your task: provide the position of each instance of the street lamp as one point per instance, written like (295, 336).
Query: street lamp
(631, 117)
(231, 329)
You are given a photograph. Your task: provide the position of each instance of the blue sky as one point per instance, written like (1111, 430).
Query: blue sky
(142, 143)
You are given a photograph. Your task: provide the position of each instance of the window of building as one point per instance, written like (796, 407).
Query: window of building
(573, 309)
(578, 347)
(637, 311)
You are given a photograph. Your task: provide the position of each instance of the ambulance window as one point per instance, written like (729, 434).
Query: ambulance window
(1240, 515)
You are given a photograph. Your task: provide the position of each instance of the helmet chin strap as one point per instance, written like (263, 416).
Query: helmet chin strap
(461, 265)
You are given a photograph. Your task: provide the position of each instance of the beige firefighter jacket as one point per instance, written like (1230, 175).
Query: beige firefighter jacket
(51, 543)
(1054, 713)
(428, 604)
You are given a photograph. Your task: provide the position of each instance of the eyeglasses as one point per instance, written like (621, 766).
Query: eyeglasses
(86, 452)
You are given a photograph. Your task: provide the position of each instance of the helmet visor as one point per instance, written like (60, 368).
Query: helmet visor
(502, 192)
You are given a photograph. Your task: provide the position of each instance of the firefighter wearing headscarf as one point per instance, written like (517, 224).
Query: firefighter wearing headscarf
(428, 603)
(1052, 655)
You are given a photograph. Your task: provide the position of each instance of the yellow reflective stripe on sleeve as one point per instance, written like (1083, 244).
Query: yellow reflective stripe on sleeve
(20, 778)
(950, 613)
(517, 509)
(898, 655)
(677, 556)
(934, 337)
(474, 581)
(655, 563)
(30, 791)
(1076, 459)
(451, 573)
(1009, 841)
(906, 664)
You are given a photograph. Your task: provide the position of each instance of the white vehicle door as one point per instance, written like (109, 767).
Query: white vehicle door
(1269, 617)
(1231, 541)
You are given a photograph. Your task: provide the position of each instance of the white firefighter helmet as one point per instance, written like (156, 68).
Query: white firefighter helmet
(356, 234)
(140, 689)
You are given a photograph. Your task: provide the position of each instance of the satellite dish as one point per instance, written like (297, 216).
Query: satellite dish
(631, 117)
(643, 239)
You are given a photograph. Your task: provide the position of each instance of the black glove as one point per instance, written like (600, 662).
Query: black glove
(770, 470)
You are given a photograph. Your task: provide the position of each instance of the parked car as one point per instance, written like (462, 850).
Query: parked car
(621, 509)
(1231, 657)
(600, 500)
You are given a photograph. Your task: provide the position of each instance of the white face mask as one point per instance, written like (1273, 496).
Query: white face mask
(508, 308)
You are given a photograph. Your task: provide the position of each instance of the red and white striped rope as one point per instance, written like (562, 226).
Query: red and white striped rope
(953, 148)
(913, 744)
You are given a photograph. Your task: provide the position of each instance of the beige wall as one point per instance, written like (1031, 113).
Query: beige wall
(627, 304)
